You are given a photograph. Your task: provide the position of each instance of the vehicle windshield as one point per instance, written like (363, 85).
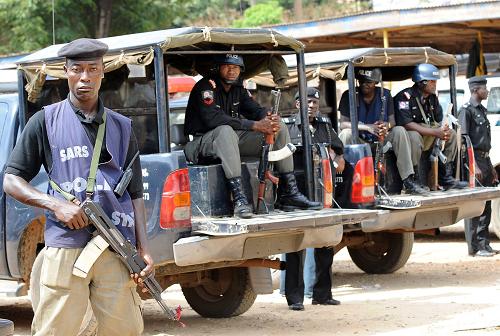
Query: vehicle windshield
(494, 100)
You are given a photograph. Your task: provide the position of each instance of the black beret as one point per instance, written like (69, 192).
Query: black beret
(311, 93)
(476, 81)
(83, 49)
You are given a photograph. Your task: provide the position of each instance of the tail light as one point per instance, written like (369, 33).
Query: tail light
(175, 209)
(472, 167)
(363, 182)
(327, 183)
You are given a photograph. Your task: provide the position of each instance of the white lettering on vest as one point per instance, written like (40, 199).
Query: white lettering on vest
(73, 152)
(123, 219)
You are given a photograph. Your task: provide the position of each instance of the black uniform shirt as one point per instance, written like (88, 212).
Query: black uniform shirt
(344, 106)
(210, 106)
(474, 122)
(33, 149)
(321, 132)
(407, 110)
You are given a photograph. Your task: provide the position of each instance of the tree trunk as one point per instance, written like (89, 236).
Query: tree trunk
(103, 18)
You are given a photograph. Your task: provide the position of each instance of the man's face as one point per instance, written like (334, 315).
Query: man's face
(84, 78)
(367, 87)
(229, 72)
(430, 87)
(312, 107)
(482, 92)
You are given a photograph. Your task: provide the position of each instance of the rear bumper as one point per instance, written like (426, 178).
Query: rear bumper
(240, 239)
(438, 210)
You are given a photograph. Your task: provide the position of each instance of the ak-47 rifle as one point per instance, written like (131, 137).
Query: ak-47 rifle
(379, 154)
(437, 154)
(267, 157)
(126, 251)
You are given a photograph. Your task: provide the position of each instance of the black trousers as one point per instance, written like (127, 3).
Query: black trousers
(476, 229)
(294, 279)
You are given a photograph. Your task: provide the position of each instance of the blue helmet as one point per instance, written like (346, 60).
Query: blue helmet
(231, 59)
(425, 71)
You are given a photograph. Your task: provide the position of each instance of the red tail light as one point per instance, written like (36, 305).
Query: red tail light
(363, 182)
(175, 209)
(472, 167)
(327, 183)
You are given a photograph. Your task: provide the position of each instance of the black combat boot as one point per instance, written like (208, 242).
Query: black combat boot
(241, 206)
(446, 180)
(412, 186)
(290, 196)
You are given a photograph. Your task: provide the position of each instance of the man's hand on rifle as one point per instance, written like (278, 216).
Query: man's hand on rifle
(443, 132)
(479, 173)
(339, 160)
(379, 128)
(269, 125)
(70, 214)
(147, 271)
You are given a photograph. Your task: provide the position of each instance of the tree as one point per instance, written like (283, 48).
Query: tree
(269, 12)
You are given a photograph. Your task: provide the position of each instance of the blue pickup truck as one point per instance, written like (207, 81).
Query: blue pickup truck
(220, 262)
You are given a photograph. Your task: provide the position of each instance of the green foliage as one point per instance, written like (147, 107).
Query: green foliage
(269, 12)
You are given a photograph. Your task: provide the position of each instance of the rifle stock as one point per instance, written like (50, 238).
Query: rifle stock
(127, 252)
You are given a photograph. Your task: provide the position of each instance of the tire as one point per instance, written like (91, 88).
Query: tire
(89, 323)
(495, 216)
(227, 293)
(389, 252)
(6, 327)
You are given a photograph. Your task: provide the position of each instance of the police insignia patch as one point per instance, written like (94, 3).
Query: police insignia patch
(207, 96)
(404, 105)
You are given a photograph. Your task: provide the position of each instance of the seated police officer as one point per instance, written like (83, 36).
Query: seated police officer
(371, 103)
(226, 122)
(321, 132)
(418, 110)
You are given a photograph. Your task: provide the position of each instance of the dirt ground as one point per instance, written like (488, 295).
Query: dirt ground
(441, 291)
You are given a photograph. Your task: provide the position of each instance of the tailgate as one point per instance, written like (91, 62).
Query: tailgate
(440, 208)
(226, 239)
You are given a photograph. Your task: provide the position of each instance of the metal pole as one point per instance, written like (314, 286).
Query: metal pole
(351, 80)
(23, 103)
(306, 135)
(453, 89)
(161, 100)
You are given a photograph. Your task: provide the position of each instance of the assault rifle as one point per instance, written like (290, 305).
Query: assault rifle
(437, 154)
(379, 153)
(268, 156)
(127, 252)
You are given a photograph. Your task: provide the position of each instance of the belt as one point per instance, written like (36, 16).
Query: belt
(482, 154)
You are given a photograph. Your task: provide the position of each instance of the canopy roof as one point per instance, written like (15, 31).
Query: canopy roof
(452, 28)
(177, 44)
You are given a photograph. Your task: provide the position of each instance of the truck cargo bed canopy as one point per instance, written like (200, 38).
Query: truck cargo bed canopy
(261, 49)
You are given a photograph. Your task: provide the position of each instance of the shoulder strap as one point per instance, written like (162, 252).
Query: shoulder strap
(95, 157)
(422, 111)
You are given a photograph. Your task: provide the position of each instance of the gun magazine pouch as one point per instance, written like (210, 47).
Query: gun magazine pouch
(94, 248)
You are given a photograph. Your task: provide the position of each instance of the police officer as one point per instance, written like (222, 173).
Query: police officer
(418, 110)
(371, 103)
(66, 156)
(321, 132)
(475, 124)
(226, 122)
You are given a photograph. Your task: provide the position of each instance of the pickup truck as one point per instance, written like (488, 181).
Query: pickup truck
(220, 262)
(385, 244)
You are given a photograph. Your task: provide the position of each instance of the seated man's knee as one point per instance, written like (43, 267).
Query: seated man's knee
(225, 132)
(346, 136)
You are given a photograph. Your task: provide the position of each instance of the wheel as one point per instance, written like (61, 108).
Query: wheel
(89, 323)
(495, 216)
(388, 253)
(227, 293)
(6, 327)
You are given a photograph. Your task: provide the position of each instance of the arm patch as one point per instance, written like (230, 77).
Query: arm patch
(207, 97)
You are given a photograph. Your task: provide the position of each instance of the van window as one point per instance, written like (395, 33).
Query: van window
(4, 109)
(494, 100)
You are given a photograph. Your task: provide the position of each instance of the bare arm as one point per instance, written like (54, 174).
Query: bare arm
(142, 239)
(66, 212)
(346, 123)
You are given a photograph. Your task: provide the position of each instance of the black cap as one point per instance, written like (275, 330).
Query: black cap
(311, 93)
(83, 49)
(476, 81)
